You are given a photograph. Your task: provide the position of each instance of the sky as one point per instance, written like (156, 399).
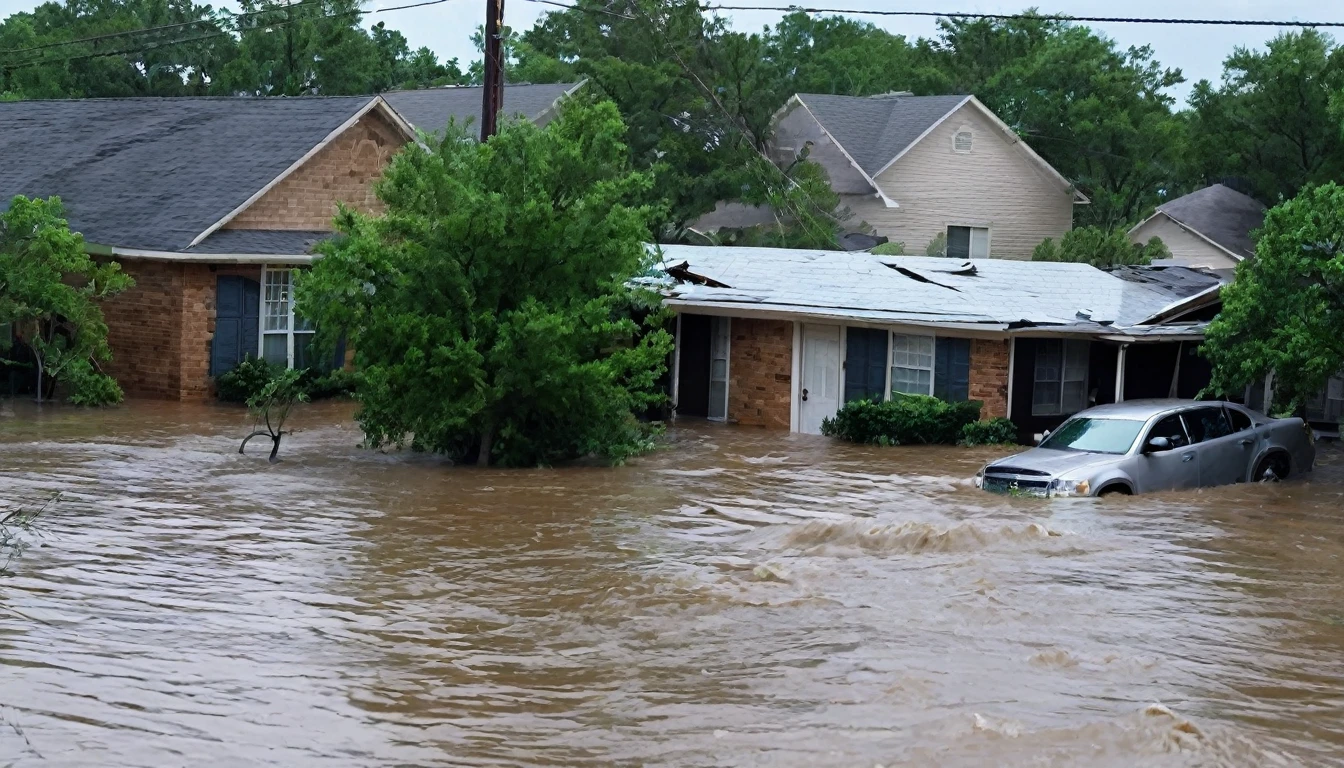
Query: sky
(1198, 51)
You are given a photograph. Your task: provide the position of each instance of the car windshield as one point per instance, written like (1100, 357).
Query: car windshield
(1094, 435)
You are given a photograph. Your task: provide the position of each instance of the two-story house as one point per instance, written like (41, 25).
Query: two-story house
(914, 168)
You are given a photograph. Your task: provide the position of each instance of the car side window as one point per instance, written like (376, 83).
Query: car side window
(1240, 421)
(1208, 423)
(1170, 428)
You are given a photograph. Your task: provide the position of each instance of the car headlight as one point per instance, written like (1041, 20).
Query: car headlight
(1061, 487)
(980, 477)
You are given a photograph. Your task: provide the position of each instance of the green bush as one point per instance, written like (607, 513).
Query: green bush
(337, 383)
(996, 431)
(88, 386)
(903, 420)
(250, 377)
(246, 380)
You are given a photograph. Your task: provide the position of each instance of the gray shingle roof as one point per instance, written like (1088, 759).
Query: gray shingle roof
(1221, 214)
(288, 242)
(430, 110)
(153, 173)
(914, 289)
(875, 129)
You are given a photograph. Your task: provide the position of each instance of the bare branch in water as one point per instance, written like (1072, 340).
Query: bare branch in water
(17, 524)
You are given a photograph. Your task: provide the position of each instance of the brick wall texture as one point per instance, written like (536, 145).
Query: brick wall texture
(160, 330)
(989, 376)
(760, 371)
(343, 171)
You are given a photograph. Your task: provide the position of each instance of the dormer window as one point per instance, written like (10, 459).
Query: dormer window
(963, 140)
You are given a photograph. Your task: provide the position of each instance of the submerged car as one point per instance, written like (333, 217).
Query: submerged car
(1155, 445)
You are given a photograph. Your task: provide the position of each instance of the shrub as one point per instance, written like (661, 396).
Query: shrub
(246, 380)
(88, 386)
(903, 420)
(996, 431)
(337, 383)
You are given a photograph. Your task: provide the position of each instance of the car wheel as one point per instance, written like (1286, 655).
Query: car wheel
(1272, 468)
(1114, 490)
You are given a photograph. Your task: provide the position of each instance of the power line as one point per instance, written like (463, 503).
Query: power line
(1047, 17)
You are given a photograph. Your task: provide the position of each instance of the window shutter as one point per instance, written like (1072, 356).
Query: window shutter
(865, 364)
(236, 319)
(952, 370)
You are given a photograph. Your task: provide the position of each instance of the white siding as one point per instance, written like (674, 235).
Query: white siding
(995, 185)
(1187, 249)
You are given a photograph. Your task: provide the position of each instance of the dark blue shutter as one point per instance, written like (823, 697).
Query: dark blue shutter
(237, 322)
(865, 364)
(952, 370)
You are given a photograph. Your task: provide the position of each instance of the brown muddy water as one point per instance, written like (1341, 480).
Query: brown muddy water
(740, 598)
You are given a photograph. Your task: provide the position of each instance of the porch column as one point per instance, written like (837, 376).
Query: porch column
(676, 366)
(1120, 373)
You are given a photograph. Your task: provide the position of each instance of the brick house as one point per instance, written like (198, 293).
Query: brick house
(210, 204)
(781, 338)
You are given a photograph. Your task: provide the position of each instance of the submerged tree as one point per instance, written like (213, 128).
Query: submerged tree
(488, 308)
(1285, 311)
(271, 406)
(49, 294)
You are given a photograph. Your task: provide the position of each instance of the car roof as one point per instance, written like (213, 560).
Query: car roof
(1143, 409)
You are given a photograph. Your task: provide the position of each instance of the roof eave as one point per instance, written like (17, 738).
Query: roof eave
(144, 254)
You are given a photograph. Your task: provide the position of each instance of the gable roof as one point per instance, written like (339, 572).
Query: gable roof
(997, 295)
(429, 110)
(1220, 214)
(874, 129)
(159, 174)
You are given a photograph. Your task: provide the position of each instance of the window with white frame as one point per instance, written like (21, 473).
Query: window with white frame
(968, 242)
(286, 339)
(1059, 386)
(911, 364)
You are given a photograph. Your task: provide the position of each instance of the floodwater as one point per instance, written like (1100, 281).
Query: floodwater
(740, 598)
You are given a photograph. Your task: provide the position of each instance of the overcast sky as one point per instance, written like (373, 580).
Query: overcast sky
(1197, 50)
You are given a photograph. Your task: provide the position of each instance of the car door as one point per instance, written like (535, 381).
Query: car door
(1248, 438)
(1171, 469)
(1222, 454)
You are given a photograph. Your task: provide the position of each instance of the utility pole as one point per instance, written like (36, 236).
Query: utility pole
(492, 97)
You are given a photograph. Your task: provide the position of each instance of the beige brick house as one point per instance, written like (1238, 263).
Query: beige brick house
(914, 168)
(782, 338)
(210, 204)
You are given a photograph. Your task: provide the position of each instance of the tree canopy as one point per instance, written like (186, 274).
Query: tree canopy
(489, 307)
(1100, 248)
(49, 294)
(1285, 311)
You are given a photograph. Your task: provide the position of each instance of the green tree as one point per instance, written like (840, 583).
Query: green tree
(315, 48)
(489, 306)
(1270, 121)
(49, 294)
(1098, 114)
(1100, 248)
(181, 61)
(1285, 311)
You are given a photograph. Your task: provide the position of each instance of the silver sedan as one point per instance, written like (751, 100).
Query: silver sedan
(1155, 445)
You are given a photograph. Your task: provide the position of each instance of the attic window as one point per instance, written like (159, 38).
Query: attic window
(963, 141)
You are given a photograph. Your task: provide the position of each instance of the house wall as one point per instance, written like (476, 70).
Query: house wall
(995, 185)
(1187, 249)
(160, 330)
(343, 171)
(760, 372)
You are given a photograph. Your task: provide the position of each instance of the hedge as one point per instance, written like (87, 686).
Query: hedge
(903, 420)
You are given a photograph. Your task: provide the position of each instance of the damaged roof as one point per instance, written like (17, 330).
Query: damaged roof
(989, 293)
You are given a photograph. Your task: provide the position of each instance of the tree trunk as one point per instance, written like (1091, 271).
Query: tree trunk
(487, 441)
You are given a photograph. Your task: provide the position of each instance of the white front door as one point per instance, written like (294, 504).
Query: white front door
(819, 393)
